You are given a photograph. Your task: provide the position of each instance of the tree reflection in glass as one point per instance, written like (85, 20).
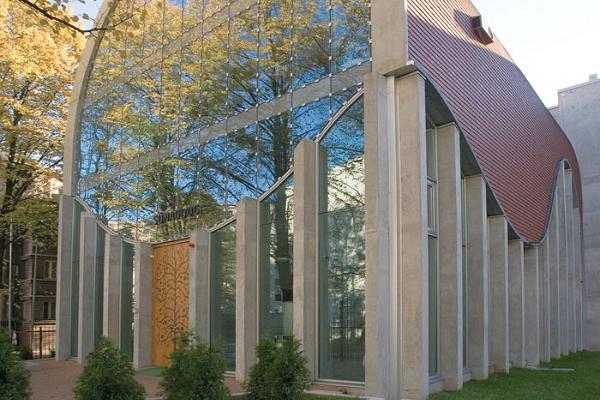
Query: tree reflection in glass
(222, 292)
(276, 263)
(342, 249)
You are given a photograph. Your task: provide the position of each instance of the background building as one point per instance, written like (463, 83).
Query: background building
(379, 180)
(578, 113)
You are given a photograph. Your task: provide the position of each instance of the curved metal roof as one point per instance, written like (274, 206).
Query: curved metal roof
(516, 141)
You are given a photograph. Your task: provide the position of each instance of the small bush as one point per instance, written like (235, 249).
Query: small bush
(14, 378)
(196, 372)
(108, 375)
(280, 373)
(25, 352)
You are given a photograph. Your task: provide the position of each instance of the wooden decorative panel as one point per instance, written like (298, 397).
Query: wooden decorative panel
(170, 298)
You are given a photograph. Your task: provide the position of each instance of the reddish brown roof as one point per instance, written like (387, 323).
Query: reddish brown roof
(516, 141)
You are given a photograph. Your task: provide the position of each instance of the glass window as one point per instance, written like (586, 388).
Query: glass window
(190, 70)
(276, 263)
(350, 33)
(127, 294)
(432, 215)
(222, 291)
(342, 249)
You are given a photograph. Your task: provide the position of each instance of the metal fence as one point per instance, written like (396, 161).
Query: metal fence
(39, 342)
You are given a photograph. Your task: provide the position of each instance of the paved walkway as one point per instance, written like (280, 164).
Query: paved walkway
(55, 380)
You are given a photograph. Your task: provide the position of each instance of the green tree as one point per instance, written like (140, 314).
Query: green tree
(36, 72)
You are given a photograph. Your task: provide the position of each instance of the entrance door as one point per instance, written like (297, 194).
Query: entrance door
(170, 297)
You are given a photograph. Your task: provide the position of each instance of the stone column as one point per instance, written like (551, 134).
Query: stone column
(570, 260)
(246, 289)
(544, 296)
(554, 280)
(381, 369)
(87, 274)
(111, 311)
(305, 250)
(477, 277)
(516, 303)
(412, 182)
(450, 256)
(388, 19)
(564, 261)
(63, 278)
(532, 302)
(142, 314)
(577, 255)
(199, 312)
(499, 332)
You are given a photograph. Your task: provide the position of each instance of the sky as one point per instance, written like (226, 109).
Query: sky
(556, 43)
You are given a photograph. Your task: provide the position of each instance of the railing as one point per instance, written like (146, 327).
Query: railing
(37, 343)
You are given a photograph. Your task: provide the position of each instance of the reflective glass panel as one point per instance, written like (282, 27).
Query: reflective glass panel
(276, 263)
(342, 249)
(222, 292)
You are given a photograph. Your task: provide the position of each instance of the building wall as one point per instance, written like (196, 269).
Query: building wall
(578, 113)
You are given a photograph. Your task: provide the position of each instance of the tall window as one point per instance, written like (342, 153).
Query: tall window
(276, 264)
(222, 291)
(342, 249)
(432, 225)
(464, 270)
(50, 269)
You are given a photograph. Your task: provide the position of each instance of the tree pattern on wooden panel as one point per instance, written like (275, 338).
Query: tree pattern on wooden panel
(170, 298)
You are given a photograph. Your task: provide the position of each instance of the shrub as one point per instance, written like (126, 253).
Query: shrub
(196, 372)
(108, 375)
(14, 378)
(25, 352)
(280, 373)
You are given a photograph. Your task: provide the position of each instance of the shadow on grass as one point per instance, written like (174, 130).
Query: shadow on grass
(524, 384)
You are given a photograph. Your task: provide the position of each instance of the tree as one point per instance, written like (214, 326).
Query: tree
(36, 73)
(57, 14)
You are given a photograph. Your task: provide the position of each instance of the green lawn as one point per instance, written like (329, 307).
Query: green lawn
(582, 384)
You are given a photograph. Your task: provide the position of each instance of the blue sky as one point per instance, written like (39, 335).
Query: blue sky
(556, 43)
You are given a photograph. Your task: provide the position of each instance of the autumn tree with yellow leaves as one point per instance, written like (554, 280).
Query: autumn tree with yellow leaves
(37, 64)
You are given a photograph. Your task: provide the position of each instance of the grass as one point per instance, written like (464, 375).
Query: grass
(581, 384)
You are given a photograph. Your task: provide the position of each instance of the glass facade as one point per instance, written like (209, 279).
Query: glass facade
(222, 291)
(341, 295)
(197, 103)
(276, 265)
(127, 293)
(432, 243)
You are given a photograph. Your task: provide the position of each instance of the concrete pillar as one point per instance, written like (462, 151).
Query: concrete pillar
(477, 277)
(516, 303)
(142, 314)
(577, 256)
(199, 312)
(246, 289)
(544, 296)
(450, 256)
(388, 19)
(564, 261)
(63, 278)
(111, 311)
(87, 274)
(570, 260)
(532, 303)
(305, 250)
(499, 332)
(381, 348)
(412, 181)
(554, 280)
